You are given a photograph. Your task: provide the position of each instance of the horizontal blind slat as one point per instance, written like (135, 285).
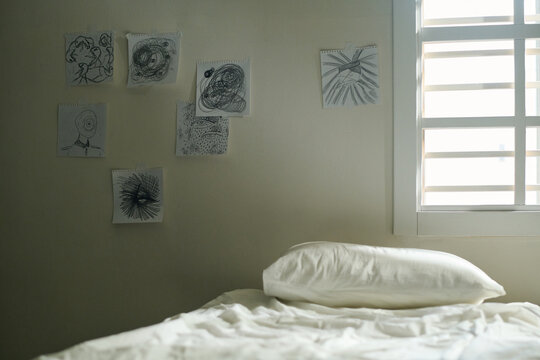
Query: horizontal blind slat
(467, 154)
(468, 20)
(461, 87)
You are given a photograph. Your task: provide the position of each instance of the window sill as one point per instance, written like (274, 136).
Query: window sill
(478, 223)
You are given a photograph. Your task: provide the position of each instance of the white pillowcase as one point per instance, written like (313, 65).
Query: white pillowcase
(351, 275)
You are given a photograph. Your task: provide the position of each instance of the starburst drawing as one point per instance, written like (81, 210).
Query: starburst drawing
(138, 195)
(350, 77)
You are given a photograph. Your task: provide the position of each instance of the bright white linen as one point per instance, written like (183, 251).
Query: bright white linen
(246, 324)
(354, 275)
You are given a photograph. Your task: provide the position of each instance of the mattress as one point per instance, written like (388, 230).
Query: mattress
(246, 324)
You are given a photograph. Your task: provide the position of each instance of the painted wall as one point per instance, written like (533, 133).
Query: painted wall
(294, 172)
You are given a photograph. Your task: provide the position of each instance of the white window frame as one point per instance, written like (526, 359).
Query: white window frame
(409, 217)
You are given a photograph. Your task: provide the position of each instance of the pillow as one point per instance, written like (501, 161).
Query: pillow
(351, 275)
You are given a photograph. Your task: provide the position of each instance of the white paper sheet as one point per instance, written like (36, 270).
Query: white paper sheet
(200, 135)
(350, 77)
(153, 58)
(246, 324)
(223, 88)
(89, 58)
(138, 195)
(81, 130)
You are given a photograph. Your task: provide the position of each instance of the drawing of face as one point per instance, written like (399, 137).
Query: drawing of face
(86, 123)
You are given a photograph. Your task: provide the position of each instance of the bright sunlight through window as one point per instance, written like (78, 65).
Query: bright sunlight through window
(480, 105)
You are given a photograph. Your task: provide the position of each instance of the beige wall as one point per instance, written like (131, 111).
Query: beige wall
(294, 172)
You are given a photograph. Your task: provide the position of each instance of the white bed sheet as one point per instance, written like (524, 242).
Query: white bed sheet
(246, 324)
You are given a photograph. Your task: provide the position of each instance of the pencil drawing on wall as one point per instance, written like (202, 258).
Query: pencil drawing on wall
(153, 58)
(223, 88)
(350, 77)
(81, 130)
(89, 58)
(138, 195)
(200, 135)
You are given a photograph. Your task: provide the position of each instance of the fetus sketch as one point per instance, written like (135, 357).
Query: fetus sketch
(153, 59)
(200, 135)
(137, 195)
(89, 58)
(81, 130)
(350, 77)
(223, 89)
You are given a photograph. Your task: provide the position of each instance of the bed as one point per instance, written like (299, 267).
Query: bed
(305, 322)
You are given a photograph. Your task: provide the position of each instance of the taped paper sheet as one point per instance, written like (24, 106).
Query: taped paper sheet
(153, 58)
(200, 135)
(138, 195)
(350, 77)
(89, 58)
(81, 130)
(223, 88)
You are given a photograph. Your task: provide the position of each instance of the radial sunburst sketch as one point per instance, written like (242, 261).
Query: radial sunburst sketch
(350, 77)
(138, 196)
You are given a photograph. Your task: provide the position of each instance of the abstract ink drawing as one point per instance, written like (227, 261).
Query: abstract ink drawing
(153, 59)
(350, 77)
(89, 58)
(137, 195)
(81, 130)
(223, 88)
(200, 135)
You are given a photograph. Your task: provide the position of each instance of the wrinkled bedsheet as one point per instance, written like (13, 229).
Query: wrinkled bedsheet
(246, 324)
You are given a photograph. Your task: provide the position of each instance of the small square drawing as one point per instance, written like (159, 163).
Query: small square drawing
(137, 195)
(350, 77)
(81, 130)
(153, 58)
(223, 88)
(200, 135)
(89, 58)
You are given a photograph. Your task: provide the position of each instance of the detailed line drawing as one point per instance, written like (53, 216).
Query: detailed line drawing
(153, 58)
(89, 58)
(86, 124)
(223, 89)
(200, 135)
(138, 195)
(350, 77)
(81, 130)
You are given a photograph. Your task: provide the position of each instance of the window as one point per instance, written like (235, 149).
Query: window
(467, 117)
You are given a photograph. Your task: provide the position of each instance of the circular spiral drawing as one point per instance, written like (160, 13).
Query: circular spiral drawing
(139, 196)
(86, 123)
(224, 89)
(151, 59)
